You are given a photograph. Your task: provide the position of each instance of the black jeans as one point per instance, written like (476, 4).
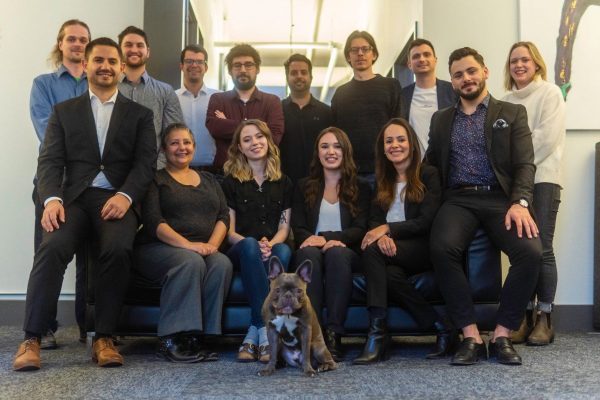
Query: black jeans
(461, 213)
(546, 200)
(332, 279)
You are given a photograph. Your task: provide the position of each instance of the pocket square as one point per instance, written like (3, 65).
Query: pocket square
(500, 124)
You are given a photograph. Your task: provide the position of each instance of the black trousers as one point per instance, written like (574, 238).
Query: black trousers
(79, 264)
(387, 278)
(332, 280)
(57, 248)
(460, 215)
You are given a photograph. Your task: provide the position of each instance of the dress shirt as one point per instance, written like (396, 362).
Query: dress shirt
(194, 113)
(50, 89)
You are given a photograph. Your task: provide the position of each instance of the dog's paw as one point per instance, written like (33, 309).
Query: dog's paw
(309, 372)
(266, 372)
(330, 366)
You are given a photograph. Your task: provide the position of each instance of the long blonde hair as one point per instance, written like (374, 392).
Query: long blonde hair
(536, 57)
(237, 164)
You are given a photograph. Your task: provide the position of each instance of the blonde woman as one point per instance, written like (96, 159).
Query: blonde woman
(260, 200)
(525, 78)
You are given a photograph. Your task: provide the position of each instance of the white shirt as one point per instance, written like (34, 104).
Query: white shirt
(396, 211)
(329, 217)
(424, 104)
(194, 113)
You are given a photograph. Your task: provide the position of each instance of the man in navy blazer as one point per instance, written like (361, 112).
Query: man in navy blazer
(428, 94)
(96, 161)
(483, 150)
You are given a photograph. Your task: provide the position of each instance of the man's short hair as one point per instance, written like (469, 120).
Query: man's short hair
(364, 35)
(463, 52)
(241, 50)
(194, 48)
(297, 58)
(418, 42)
(134, 30)
(56, 54)
(102, 41)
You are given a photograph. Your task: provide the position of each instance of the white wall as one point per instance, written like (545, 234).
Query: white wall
(491, 27)
(28, 30)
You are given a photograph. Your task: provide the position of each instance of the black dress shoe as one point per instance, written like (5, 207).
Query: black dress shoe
(198, 347)
(377, 345)
(469, 352)
(503, 350)
(333, 341)
(177, 349)
(445, 345)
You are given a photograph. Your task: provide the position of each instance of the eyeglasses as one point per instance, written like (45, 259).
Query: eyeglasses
(363, 49)
(189, 61)
(246, 65)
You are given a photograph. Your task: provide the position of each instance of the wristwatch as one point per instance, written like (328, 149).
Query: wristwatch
(523, 203)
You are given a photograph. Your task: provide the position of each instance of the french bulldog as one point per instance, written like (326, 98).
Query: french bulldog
(292, 325)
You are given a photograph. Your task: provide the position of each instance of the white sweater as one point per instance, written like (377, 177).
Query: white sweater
(546, 113)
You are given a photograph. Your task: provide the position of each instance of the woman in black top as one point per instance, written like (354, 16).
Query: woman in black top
(330, 213)
(185, 218)
(259, 198)
(397, 246)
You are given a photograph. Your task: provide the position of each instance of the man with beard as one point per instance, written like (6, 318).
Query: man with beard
(140, 87)
(194, 97)
(428, 94)
(68, 81)
(362, 106)
(96, 163)
(226, 110)
(304, 118)
(484, 152)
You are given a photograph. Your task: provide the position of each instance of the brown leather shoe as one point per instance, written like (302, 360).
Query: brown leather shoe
(27, 357)
(521, 335)
(543, 332)
(247, 353)
(264, 353)
(105, 354)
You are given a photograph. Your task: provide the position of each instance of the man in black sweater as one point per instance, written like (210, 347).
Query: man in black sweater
(366, 103)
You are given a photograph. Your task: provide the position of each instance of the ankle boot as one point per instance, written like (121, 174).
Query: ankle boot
(521, 335)
(543, 332)
(377, 345)
(446, 342)
(333, 341)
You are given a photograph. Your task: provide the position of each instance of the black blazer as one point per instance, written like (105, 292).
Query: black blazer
(509, 147)
(305, 218)
(419, 216)
(446, 96)
(71, 149)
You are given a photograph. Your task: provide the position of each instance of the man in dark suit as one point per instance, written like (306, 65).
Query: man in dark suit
(484, 152)
(428, 94)
(104, 146)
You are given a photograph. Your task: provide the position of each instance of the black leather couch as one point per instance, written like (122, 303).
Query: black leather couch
(139, 315)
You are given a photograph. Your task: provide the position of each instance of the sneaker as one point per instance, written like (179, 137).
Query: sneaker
(247, 353)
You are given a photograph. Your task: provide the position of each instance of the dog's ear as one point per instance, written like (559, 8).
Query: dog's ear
(275, 267)
(305, 271)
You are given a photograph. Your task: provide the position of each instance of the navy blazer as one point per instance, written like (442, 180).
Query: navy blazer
(305, 218)
(508, 145)
(71, 150)
(446, 97)
(419, 216)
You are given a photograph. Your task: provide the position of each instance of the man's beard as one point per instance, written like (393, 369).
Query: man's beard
(471, 95)
(249, 84)
(140, 63)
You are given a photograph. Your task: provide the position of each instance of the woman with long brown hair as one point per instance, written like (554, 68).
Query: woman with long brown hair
(330, 212)
(397, 246)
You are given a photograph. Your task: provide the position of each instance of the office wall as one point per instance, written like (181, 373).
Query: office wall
(27, 33)
(491, 27)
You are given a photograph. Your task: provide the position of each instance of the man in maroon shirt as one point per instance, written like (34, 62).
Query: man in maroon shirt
(226, 110)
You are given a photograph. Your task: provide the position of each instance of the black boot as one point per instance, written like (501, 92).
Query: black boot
(377, 345)
(446, 342)
(178, 348)
(333, 341)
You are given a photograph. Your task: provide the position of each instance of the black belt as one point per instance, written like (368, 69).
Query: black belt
(484, 188)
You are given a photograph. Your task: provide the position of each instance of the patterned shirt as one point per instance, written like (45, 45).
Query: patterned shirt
(469, 163)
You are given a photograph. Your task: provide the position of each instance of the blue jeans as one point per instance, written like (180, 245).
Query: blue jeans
(546, 199)
(246, 256)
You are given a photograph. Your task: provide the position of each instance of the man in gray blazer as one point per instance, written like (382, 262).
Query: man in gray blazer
(96, 162)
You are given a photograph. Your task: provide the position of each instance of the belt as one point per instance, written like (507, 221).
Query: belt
(484, 188)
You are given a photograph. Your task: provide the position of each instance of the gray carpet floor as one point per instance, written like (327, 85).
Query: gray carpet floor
(568, 369)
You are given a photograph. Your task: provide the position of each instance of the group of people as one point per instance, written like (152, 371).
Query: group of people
(382, 182)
